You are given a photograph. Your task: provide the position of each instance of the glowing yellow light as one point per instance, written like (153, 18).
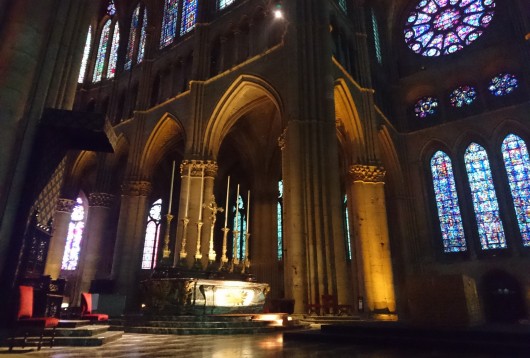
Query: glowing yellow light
(278, 14)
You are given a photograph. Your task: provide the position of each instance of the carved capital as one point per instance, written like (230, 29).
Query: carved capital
(282, 139)
(367, 173)
(136, 188)
(65, 205)
(100, 199)
(210, 168)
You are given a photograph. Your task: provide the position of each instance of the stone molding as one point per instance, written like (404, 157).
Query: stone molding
(137, 188)
(367, 173)
(65, 205)
(100, 199)
(210, 168)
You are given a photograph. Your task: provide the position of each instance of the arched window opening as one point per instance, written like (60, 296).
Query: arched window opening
(239, 229)
(189, 16)
(377, 40)
(347, 226)
(152, 236)
(143, 37)
(517, 163)
(102, 52)
(490, 228)
(451, 227)
(343, 6)
(75, 236)
(280, 220)
(86, 54)
(131, 46)
(169, 22)
(113, 58)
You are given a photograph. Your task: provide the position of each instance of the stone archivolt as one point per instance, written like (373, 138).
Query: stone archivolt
(367, 173)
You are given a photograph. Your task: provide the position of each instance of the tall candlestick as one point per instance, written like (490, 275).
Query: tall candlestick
(226, 206)
(202, 190)
(171, 188)
(188, 191)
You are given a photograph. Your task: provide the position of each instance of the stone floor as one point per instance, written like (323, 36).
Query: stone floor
(252, 346)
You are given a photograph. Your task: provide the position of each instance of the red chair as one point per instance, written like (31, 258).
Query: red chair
(86, 309)
(27, 323)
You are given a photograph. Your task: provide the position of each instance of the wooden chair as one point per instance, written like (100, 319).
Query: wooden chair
(86, 309)
(27, 323)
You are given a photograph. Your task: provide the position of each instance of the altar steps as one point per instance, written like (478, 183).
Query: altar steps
(78, 333)
(197, 325)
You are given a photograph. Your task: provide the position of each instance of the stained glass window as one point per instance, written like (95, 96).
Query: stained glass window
(169, 22)
(442, 27)
(131, 46)
(490, 228)
(143, 36)
(111, 8)
(463, 96)
(426, 107)
(280, 220)
(86, 53)
(239, 230)
(517, 163)
(503, 84)
(451, 226)
(343, 6)
(224, 3)
(152, 236)
(113, 58)
(102, 52)
(347, 227)
(189, 16)
(75, 235)
(377, 41)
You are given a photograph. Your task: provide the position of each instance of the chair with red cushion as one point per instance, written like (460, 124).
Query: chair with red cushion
(86, 309)
(27, 323)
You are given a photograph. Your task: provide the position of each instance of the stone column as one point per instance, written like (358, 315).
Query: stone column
(372, 239)
(129, 240)
(96, 228)
(61, 221)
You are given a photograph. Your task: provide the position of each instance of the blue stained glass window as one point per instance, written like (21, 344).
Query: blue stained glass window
(86, 53)
(451, 226)
(143, 36)
(377, 41)
(503, 84)
(135, 23)
(113, 58)
(152, 236)
(221, 4)
(280, 220)
(426, 107)
(490, 228)
(343, 6)
(169, 22)
(239, 229)
(102, 52)
(463, 96)
(189, 16)
(111, 8)
(442, 27)
(347, 227)
(517, 163)
(75, 235)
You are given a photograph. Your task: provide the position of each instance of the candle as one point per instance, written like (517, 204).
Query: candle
(226, 206)
(248, 212)
(188, 192)
(202, 189)
(171, 188)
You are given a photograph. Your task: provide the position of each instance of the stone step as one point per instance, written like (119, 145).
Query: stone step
(93, 341)
(201, 318)
(83, 331)
(197, 331)
(330, 319)
(177, 324)
(73, 323)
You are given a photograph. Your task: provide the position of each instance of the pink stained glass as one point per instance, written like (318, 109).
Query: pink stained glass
(75, 235)
(113, 58)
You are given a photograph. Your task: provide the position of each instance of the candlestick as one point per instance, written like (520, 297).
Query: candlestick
(202, 190)
(171, 188)
(226, 205)
(188, 191)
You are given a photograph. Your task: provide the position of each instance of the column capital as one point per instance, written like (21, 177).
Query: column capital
(367, 173)
(65, 205)
(210, 168)
(100, 199)
(136, 188)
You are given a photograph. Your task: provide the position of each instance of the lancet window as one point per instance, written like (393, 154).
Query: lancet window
(377, 40)
(239, 229)
(347, 227)
(86, 54)
(221, 4)
(189, 16)
(280, 220)
(113, 58)
(152, 236)
(169, 22)
(75, 236)
(102, 52)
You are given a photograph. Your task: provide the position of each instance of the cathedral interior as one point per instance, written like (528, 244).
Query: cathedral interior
(372, 151)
